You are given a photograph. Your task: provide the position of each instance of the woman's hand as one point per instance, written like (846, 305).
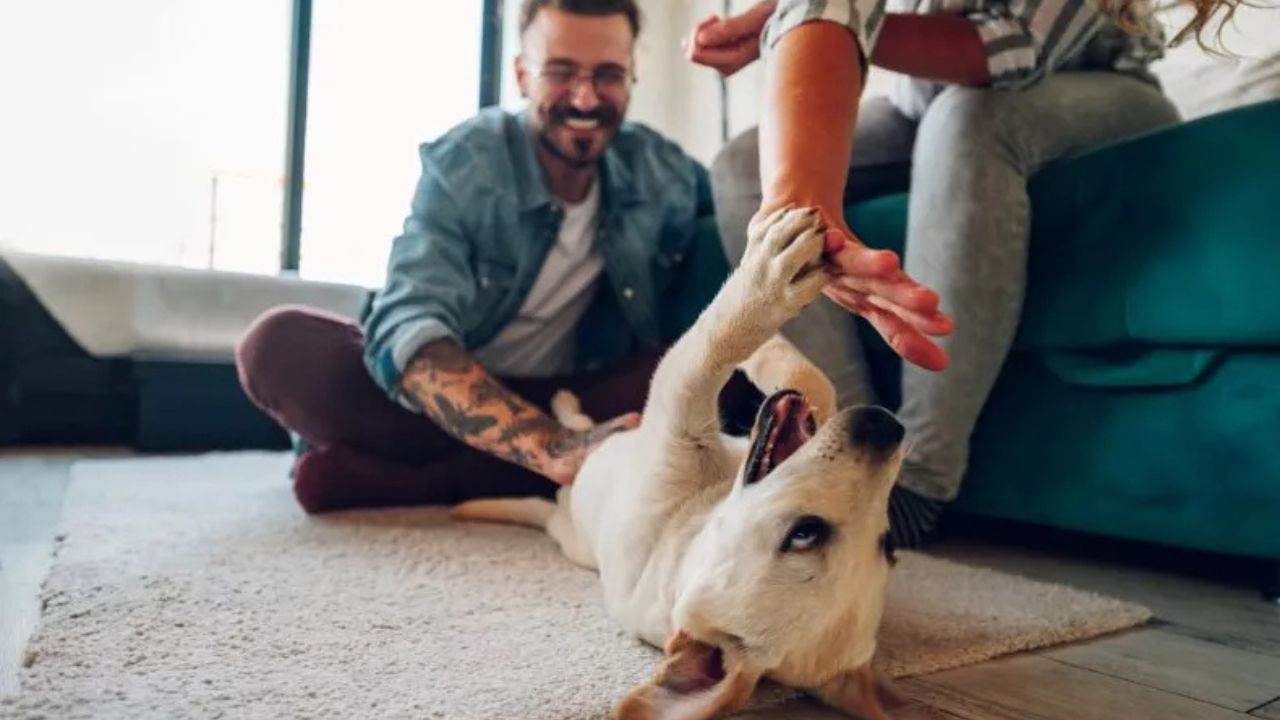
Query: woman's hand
(871, 283)
(727, 45)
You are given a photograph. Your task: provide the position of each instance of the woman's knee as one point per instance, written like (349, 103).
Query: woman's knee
(966, 116)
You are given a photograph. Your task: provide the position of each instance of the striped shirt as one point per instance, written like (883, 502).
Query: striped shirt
(1025, 40)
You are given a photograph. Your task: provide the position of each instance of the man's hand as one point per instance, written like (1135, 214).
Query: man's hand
(727, 45)
(567, 449)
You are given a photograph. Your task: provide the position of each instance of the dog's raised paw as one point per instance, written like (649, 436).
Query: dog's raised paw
(784, 258)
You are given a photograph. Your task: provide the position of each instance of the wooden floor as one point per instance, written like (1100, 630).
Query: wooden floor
(1213, 651)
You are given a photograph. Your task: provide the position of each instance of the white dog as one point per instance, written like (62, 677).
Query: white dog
(746, 558)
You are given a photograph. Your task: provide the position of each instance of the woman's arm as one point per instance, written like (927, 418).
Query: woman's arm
(810, 110)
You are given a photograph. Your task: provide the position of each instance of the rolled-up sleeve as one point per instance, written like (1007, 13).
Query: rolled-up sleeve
(430, 285)
(861, 17)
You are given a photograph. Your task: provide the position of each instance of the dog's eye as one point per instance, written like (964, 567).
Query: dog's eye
(807, 533)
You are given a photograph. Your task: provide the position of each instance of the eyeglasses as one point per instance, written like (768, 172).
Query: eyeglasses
(605, 80)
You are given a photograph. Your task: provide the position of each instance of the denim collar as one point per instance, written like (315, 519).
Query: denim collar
(618, 190)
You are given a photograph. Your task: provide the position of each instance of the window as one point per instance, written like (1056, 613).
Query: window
(150, 130)
(384, 77)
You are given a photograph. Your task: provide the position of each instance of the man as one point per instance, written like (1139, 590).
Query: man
(536, 251)
(993, 91)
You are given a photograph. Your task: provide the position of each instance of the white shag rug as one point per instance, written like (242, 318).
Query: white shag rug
(195, 587)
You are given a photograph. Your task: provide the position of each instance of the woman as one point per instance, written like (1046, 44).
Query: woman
(992, 91)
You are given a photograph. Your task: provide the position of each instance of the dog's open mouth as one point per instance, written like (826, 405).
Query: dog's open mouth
(784, 424)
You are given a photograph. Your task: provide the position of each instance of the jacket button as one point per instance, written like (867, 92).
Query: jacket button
(628, 293)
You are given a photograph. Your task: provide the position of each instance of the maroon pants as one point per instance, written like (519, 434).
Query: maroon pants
(305, 369)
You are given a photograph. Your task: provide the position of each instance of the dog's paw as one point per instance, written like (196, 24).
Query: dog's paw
(782, 265)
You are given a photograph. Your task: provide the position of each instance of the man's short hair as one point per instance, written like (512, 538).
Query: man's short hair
(529, 10)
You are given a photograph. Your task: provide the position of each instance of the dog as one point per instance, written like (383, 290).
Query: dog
(743, 558)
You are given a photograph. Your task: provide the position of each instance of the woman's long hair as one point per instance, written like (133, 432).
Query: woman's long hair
(1205, 17)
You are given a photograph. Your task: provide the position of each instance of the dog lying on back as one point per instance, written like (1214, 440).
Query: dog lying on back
(744, 558)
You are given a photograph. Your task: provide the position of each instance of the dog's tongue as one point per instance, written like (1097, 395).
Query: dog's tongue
(793, 425)
(784, 423)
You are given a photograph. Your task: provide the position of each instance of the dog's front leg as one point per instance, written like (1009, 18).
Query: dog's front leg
(780, 273)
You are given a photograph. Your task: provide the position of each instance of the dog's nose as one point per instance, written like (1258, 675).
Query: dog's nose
(876, 429)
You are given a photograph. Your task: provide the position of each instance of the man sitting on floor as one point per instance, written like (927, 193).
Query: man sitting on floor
(536, 252)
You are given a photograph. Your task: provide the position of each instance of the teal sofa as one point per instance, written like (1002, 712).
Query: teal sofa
(1142, 397)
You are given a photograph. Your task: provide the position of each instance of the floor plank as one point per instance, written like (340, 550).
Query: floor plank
(1226, 614)
(1270, 711)
(806, 709)
(1030, 687)
(31, 493)
(1160, 658)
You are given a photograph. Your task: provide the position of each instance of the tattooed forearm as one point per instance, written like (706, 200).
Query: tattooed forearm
(569, 444)
(488, 390)
(534, 424)
(463, 399)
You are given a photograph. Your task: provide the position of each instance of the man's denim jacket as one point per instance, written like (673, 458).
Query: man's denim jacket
(482, 222)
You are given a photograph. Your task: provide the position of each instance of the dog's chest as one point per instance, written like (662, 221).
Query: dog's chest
(639, 513)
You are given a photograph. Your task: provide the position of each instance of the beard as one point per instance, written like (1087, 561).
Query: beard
(578, 152)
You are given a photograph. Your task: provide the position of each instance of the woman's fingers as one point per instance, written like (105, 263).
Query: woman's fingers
(933, 323)
(904, 339)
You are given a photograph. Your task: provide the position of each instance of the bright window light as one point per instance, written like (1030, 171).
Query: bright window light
(385, 77)
(148, 130)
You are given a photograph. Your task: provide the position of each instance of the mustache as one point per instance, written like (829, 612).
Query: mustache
(603, 114)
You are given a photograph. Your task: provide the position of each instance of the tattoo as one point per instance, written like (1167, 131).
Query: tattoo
(460, 423)
(576, 442)
(514, 454)
(465, 401)
(487, 390)
(534, 425)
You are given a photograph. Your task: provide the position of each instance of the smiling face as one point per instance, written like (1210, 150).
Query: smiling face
(576, 71)
(788, 576)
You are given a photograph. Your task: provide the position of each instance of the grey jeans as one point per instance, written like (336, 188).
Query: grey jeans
(966, 163)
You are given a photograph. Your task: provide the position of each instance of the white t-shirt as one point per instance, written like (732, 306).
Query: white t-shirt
(541, 340)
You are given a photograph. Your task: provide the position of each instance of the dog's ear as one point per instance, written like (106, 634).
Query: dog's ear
(695, 682)
(864, 694)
